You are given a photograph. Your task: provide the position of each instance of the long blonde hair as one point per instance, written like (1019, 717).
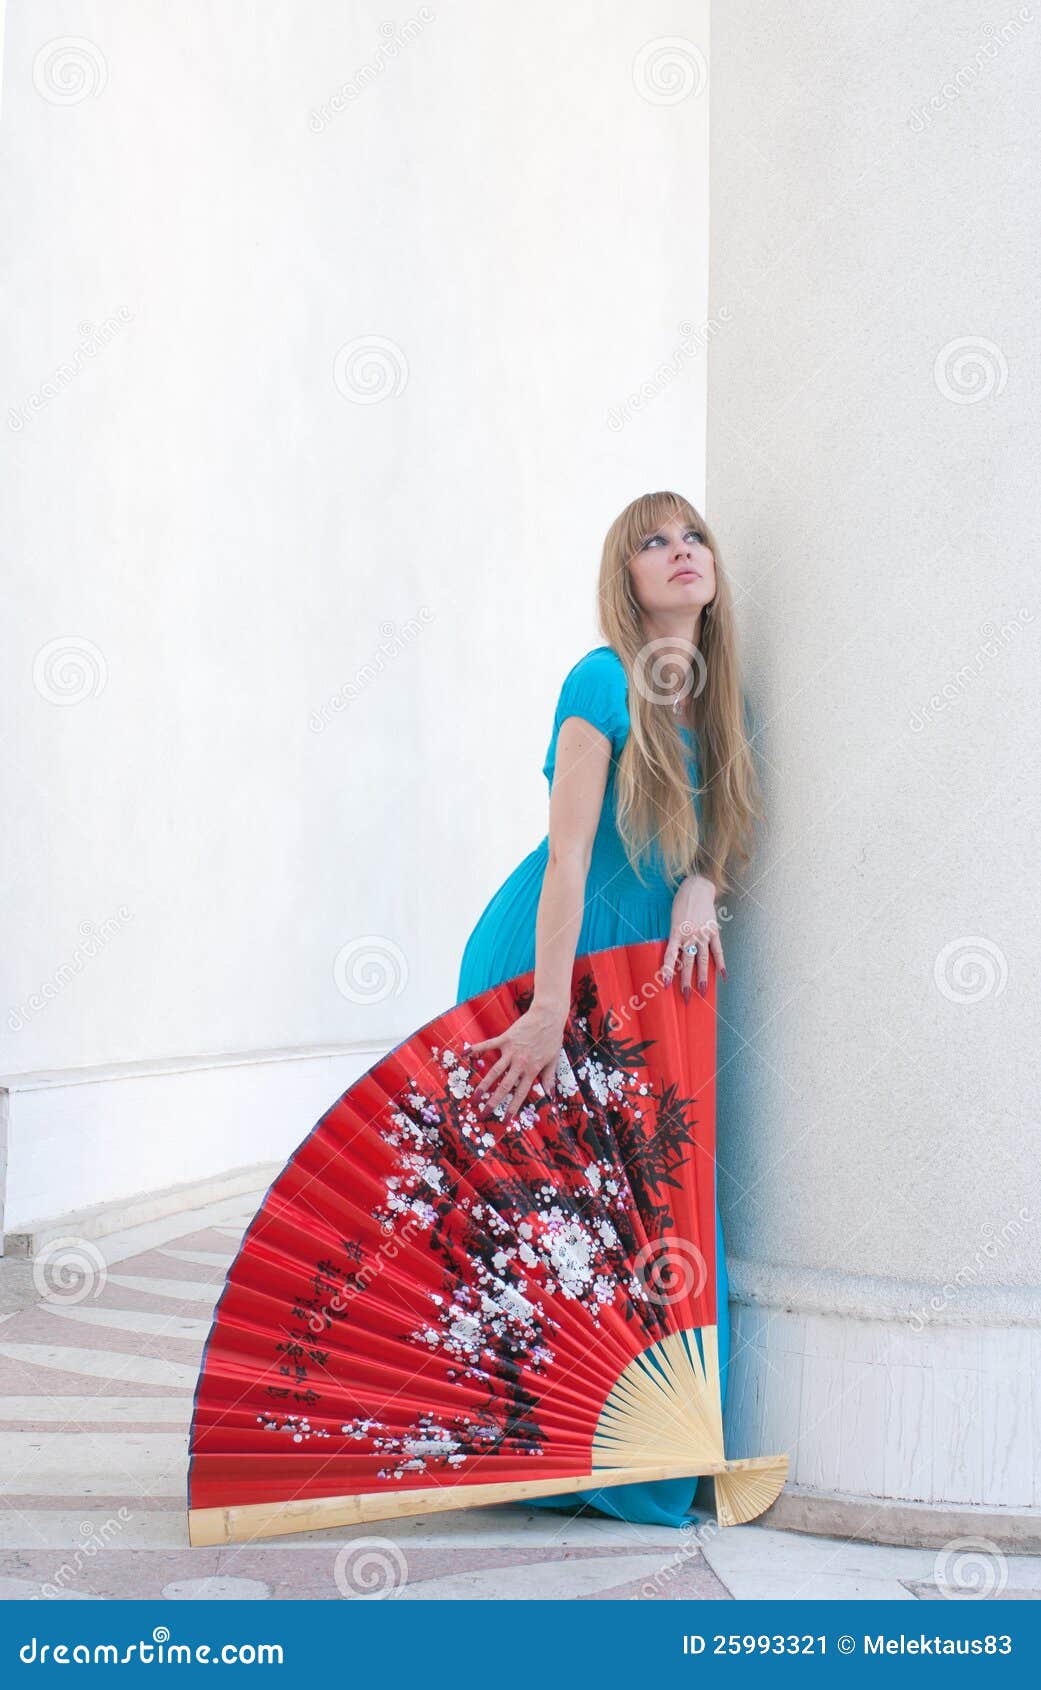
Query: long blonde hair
(653, 790)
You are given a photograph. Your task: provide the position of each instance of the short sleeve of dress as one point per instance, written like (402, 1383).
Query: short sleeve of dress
(595, 689)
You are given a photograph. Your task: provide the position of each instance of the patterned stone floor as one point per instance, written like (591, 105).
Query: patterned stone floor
(99, 1349)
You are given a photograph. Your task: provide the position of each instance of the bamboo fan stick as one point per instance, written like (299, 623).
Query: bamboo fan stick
(237, 1524)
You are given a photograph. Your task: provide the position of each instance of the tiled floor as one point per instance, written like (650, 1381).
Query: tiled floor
(97, 1369)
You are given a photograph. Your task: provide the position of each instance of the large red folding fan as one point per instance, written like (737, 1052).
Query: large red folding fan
(435, 1308)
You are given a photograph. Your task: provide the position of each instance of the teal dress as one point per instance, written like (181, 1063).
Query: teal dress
(619, 910)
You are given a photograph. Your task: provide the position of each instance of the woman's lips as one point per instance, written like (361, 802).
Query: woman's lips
(686, 575)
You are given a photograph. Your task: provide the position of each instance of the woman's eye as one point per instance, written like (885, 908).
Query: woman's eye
(660, 540)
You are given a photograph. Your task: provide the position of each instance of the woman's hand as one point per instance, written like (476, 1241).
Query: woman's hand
(693, 923)
(530, 1049)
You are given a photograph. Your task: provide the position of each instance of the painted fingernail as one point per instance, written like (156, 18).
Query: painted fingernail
(686, 994)
(722, 971)
(703, 987)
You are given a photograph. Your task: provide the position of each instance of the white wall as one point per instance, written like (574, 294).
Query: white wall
(873, 442)
(207, 541)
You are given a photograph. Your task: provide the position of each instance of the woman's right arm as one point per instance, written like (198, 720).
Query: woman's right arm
(583, 761)
(530, 1048)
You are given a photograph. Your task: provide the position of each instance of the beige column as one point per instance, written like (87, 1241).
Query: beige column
(873, 448)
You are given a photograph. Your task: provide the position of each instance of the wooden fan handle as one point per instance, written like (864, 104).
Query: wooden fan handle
(747, 1479)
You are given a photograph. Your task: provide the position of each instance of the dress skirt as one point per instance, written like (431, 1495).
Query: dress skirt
(617, 912)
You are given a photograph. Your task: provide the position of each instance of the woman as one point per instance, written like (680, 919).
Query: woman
(653, 797)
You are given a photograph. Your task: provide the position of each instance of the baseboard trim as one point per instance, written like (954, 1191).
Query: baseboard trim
(910, 1525)
(914, 1303)
(44, 1079)
(124, 1212)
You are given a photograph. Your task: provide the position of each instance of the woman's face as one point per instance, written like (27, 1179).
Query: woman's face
(674, 570)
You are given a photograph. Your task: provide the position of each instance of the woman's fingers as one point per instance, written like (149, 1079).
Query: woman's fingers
(716, 946)
(492, 1075)
(523, 1086)
(485, 1044)
(674, 956)
(695, 960)
(496, 1083)
(506, 1086)
(687, 964)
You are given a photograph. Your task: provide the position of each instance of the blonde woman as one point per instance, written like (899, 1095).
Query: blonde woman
(653, 803)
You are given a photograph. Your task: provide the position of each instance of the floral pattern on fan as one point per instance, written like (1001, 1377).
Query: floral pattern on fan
(557, 1203)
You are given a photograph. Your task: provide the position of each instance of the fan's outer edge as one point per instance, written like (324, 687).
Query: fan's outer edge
(247, 1521)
